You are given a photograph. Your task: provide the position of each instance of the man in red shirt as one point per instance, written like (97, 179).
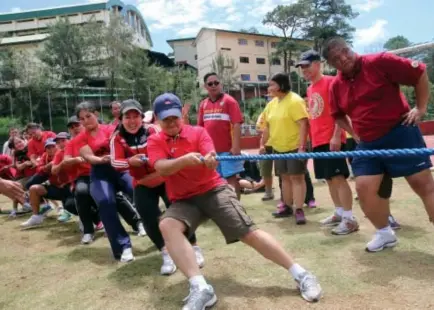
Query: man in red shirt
(115, 106)
(327, 136)
(221, 116)
(185, 156)
(366, 90)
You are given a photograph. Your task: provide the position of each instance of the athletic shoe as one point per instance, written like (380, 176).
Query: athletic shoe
(346, 227)
(312, 204)
(393, 223)
(99, 226)
(200, 299)
(285, 212)
(65, 216)
(127, 255)
(13, 214)
(87, 239)
(300, 219)
(26, 207)
(45, 209)
(141, 232)
(267, 196)
(168, 266)
(332, 220)
(33, 221)
(381, 241)
(309, 287)
(199, 256)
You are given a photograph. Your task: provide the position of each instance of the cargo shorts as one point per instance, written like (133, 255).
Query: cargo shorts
(219, 205)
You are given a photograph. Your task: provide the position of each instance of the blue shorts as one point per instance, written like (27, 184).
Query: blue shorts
(400, 137)
(228, 169)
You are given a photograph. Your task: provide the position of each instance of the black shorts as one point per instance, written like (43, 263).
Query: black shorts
(329, 167)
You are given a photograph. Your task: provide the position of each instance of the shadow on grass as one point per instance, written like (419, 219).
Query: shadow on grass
(411, 232)
(390, 264)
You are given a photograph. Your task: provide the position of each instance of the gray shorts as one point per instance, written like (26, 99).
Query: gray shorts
(290, 166)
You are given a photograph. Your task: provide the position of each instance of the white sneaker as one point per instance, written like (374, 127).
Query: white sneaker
(34, 220)
(86, 239)
(141, 230)
(127, 255)
(168, 266)
(13, 214)
(381, 241)
(199, 256)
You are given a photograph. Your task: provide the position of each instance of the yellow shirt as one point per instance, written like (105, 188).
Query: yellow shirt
(281, 119)
(260, 123)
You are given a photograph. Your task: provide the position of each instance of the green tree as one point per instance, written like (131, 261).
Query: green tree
(226, 69)
(327, 18)
(289, 19)
(397, 42)
(250, 30)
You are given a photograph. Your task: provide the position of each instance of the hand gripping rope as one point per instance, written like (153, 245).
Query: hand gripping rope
(373, 153)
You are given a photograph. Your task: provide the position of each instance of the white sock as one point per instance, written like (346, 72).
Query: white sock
(198, 281)
(386, 230)
(339, 211)
(347, 214)
(296, 270)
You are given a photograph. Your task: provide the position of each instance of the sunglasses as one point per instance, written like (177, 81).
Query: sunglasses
(211, 84)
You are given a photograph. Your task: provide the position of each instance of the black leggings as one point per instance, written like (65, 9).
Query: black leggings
(309, 188)
(86, 207)
(146, 200)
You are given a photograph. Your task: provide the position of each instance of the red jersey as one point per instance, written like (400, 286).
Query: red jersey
(19, 158)
(372, 97)
(73, 149)
(6, 170)
(100, 143)
(217, 118)
(322, 124)
(124, 145)
(37, 147)
(190, 181)
(53, 179)
(65, 175)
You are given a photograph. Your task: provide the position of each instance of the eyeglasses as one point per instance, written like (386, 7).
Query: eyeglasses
(211, 84)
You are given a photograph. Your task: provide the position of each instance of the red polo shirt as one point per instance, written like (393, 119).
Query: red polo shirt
(73, 149)
(372, 97)
(217, 118)
(65, 175)
(99, 143)
(322, 124)
(190, 181)
(37, 147)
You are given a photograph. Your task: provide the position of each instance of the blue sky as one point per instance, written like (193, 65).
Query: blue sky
(169, 19)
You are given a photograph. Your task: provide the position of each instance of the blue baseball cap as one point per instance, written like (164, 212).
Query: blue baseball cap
(308, 57)
(167, 105)
(49, 142)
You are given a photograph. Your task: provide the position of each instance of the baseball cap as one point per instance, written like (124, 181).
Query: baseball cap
(167, 105)
(308, 57)
(72, 120)
(49, 142)
(131, 104)
(148, 116)
(61, 135)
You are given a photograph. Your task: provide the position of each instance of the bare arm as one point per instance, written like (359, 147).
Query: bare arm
(422, 92)
(344, 123)
(304, 131)
(265, 136)
(167, 167)
(68, 160)
(88, 155)
(34, 159)
(236, 137)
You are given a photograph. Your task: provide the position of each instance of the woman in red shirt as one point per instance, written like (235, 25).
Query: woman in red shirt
(94, 147)
(127, 148)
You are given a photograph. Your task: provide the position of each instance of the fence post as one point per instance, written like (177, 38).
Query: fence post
(49, 110)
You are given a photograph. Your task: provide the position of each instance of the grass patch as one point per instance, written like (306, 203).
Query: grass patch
(46, 268)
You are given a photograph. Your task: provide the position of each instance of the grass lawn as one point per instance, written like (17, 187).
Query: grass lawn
(46, 268)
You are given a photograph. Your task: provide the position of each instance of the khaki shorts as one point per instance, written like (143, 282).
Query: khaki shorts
(221, 206)
(289, 166)
(266, 166)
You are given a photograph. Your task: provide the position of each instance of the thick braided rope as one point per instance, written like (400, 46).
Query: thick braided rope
(373, 153)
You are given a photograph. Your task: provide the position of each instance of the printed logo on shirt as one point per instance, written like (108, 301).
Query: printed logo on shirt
(415, 64)
(316, 105)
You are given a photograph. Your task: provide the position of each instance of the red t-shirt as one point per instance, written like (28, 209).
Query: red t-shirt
(190, 181)
(100, 143)
(372, 98)
(7, 173)
(217, 118)
(37, 147)
(19, 158)
(322, 124)
(73, 149)
(65, 175)
(55, 180)
(43, 161)
(121, 150)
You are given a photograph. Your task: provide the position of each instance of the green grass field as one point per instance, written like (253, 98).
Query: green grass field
(46, 268)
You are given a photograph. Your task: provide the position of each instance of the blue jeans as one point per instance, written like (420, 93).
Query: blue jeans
(105, 182)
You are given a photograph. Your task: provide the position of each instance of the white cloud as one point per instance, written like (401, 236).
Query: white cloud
(15, 10)
(374, 33)
(366, 5)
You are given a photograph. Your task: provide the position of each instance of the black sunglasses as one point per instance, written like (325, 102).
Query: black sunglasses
(215, 83)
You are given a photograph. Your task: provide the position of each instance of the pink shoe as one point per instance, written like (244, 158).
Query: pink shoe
(312, 204)
(281, 206)
(99, 226)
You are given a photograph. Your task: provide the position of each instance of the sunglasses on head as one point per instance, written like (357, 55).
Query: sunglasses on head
(215, 83)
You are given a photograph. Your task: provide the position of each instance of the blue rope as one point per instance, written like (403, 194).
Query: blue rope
(373, 153)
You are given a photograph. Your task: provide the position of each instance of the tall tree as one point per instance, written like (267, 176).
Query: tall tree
(226, 69)
(250, 30)
(289, 19)
(396, 43)
(327, 18)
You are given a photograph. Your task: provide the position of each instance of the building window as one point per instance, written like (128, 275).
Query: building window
(273, 44)
(244, 60)
(276, 62)
(245, 77)
(260, 61)
(195, 57)
(242, 41)
(225, 49)
(262, 78)
(259, 43)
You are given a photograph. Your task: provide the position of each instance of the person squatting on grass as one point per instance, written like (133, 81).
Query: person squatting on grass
(185, 156)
